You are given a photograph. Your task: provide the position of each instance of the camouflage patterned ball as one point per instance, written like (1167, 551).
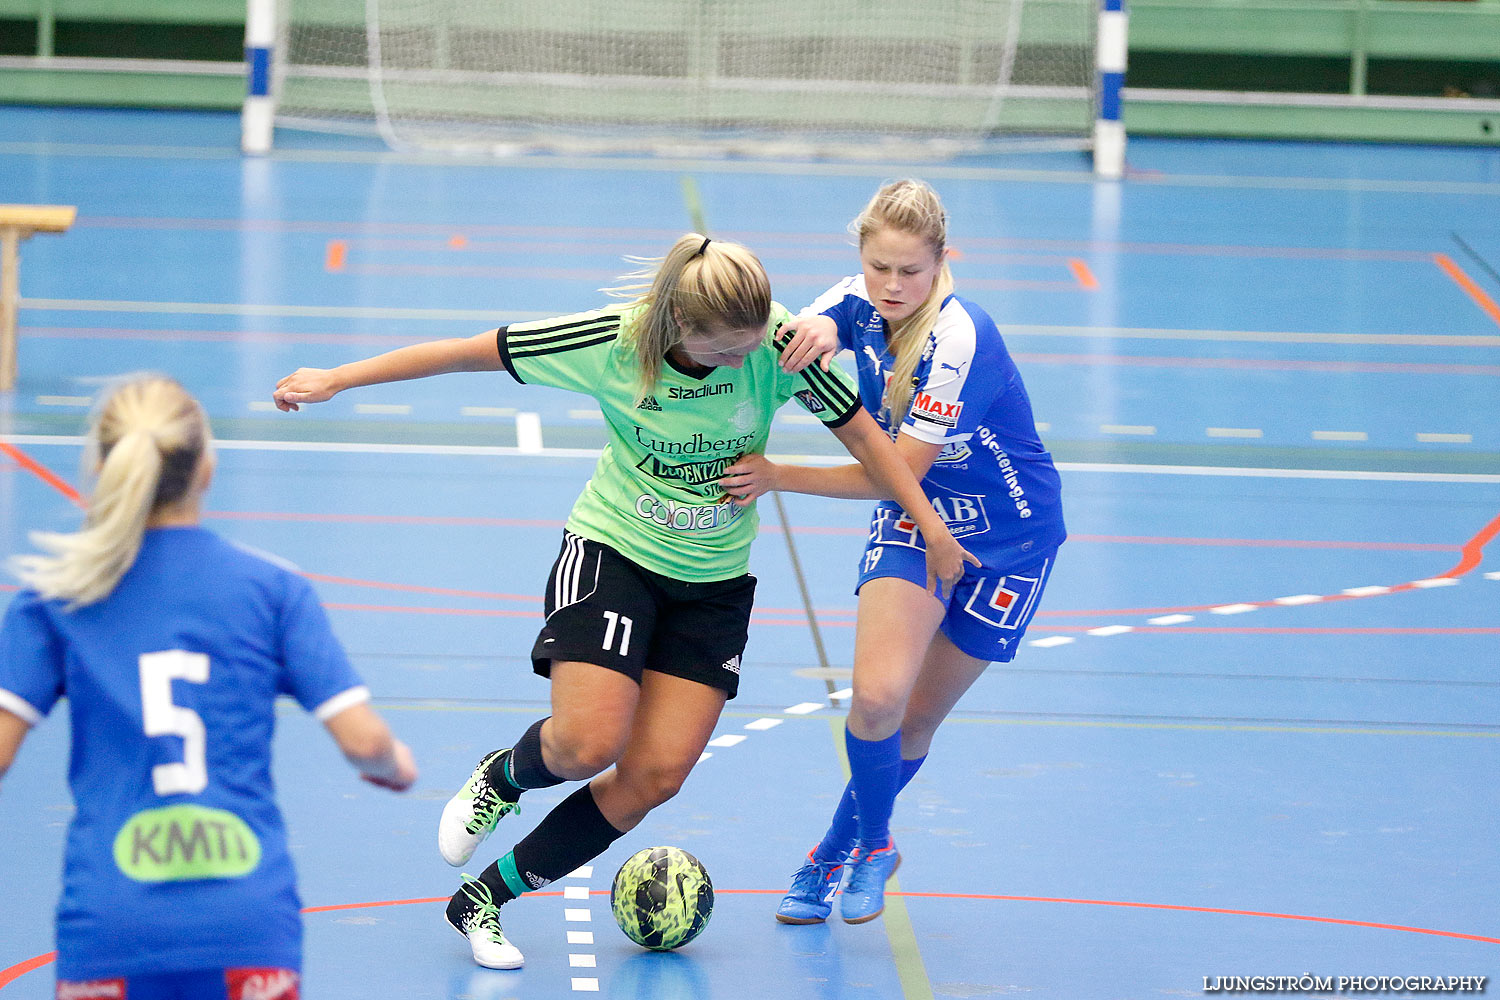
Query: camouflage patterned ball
(662, 898)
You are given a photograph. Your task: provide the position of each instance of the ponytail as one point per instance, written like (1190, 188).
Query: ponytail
(146, 444)
(913, 207)
(699, 286)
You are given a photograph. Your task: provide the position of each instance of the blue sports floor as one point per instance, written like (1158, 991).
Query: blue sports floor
(1255, 730)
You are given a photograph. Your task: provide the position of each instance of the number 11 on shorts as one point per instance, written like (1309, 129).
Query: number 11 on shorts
(616, 619)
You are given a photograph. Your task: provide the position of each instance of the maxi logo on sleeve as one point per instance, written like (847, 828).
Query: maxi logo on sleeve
(926, 408)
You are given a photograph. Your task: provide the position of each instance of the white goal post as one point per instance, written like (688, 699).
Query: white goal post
(830, 78)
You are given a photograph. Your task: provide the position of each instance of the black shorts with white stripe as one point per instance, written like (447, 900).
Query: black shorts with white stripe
(604, 609)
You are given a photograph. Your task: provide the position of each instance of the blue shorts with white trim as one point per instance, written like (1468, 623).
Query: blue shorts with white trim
(988, 610)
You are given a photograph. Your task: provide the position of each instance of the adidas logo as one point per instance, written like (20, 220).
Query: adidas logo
(534, 880)
(732, 665)
(649, 403)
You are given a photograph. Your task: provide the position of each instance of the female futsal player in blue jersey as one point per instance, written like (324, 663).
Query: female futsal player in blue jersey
(936, 375)
(171, 645)
(648, 605)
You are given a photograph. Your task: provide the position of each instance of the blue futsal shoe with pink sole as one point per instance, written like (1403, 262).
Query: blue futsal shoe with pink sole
(810, 899)
(864, 889)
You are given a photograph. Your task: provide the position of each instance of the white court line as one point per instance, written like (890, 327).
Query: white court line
(762, 724)
(1008, 330)
(389, 409)
(1233, 432)
(487, 411)
(529, 433)
(678, 164)
(1340, 436)
(580, 937)
(1436, 581)
(65, 400)
(585, 985)
(585, 414)
(1111, 630)
(262, 406)
(728, 740)
(577, 961)
(1169, 620)
(804, 708)
(575, 892)
(500, 451)
(1011, 331)
(1366, 591)
(583, 871)
(244, 309)
(842, 695)
(578, 916)
(1492, 576)
(704, 756)
(1139, 430)
(1052, 640)
(1297, 599)
(1427, 438)
(1231, 609)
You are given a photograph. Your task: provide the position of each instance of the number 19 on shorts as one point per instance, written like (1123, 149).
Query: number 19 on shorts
(621, 624)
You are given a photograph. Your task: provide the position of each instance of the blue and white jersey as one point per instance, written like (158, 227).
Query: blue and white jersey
(993, 483)
(176, 858)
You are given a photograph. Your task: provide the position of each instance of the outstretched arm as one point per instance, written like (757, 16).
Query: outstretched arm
(435, 357)
(13, 730)
(368, 744)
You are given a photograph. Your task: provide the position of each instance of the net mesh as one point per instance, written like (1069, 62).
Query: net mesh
(840, 77)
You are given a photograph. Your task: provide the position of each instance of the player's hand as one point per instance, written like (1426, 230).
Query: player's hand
(812, 338)
(403, 772)
(945, 562)
(305, 385)
(748, 479)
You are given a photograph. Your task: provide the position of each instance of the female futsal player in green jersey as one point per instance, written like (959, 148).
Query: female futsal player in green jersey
(648, 604)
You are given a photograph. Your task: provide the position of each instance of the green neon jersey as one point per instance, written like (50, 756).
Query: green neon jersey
(655, 496)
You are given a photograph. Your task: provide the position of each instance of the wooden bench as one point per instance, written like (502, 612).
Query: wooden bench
(16, 223)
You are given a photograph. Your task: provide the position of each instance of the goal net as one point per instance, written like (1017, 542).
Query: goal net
(759, 77)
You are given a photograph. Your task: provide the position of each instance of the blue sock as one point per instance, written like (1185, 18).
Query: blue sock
(843, 832)
(875, 772)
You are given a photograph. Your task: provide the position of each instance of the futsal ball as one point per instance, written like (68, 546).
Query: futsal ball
(662, 898)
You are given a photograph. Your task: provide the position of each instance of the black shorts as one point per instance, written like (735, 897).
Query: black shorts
(604, 609)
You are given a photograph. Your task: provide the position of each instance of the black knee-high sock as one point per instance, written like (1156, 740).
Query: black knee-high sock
(570, 835)
(523, 767)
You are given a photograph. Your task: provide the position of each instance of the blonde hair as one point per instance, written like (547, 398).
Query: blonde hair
(146, 441)
(705, 284)
(913, 207)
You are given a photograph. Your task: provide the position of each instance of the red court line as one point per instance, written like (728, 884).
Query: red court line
(215, 336)
(1473, 549)
(1260, 364)
(753, 237)
(399, 609)
(1289, 630)
(507, 522)
(336, 254)
(20, 969)
(1480, 297)
(43, 473)
(447, 522)
(411, 588)
(1082, 274)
